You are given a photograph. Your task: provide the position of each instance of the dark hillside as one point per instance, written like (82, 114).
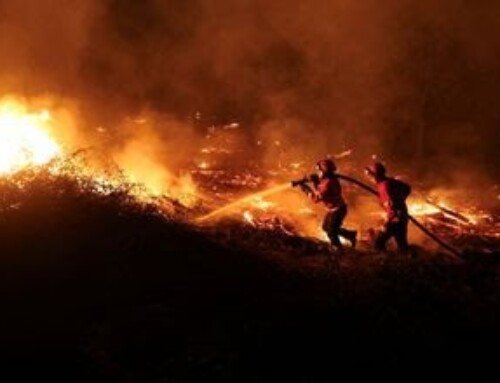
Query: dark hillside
(100, 288)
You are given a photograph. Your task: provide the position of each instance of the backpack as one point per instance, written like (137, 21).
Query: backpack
(400, 188)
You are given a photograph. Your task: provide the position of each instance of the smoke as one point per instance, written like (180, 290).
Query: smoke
(414, 81)
(41, 43)
(140, 150)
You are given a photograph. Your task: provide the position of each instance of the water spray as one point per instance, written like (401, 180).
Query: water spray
(243, 201)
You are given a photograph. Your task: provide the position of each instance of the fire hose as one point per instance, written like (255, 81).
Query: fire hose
(371, 190)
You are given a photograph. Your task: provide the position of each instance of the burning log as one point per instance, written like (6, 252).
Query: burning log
(449, 212)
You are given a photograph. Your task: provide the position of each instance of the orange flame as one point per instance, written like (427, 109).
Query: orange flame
(28, 139)
(25, 138)
(421, 208)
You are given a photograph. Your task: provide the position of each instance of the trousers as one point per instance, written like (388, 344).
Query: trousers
(397, 229)
(332, 225)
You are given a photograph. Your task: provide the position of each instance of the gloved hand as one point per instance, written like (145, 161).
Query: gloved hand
(306, 189)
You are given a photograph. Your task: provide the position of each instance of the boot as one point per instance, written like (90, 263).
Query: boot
(335, 250)
(335, 245)
(352, 237)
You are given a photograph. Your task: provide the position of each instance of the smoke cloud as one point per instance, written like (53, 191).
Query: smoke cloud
(414, 81)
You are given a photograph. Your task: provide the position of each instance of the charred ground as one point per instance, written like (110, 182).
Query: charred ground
(101, 288)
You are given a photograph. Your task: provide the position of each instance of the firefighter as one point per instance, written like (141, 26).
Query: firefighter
(327, 190)
(392, 195)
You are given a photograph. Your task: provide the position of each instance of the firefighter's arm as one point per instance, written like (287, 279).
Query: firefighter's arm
(306, 189)
(318, 192)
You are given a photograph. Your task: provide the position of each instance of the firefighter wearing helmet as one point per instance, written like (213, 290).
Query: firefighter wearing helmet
(392, 196)
(328, 190)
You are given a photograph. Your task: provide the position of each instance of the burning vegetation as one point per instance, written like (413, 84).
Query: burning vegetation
(213, 187)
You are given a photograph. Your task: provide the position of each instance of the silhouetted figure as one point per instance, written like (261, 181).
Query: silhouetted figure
(328, 190)
(392, 195)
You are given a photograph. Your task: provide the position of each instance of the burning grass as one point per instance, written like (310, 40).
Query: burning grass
(62, 185)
